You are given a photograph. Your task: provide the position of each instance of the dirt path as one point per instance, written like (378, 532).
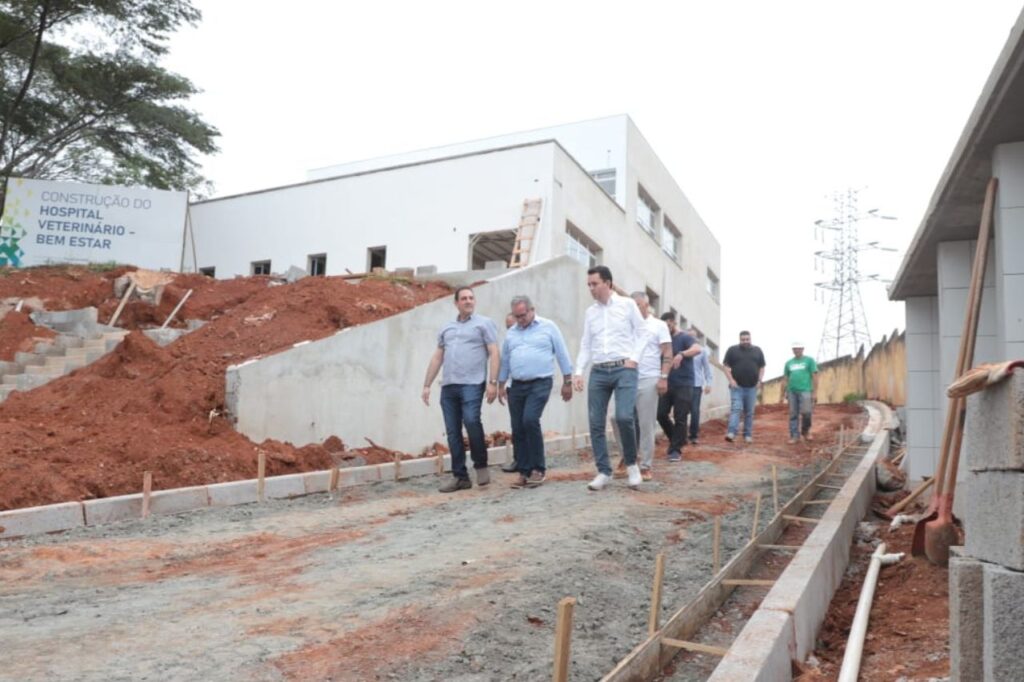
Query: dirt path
(389, 581)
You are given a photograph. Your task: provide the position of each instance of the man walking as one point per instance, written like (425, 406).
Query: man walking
(744, 367)
(665, 401)
(680, 386)
(513, 466)
(467, 347)
(652, 380)
(701, 387)
(800, 386)
(526, 358)
(613, 340)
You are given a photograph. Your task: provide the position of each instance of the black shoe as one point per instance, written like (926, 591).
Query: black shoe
(455, 484)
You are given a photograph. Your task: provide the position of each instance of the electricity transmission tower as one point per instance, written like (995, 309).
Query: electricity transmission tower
(846, 325)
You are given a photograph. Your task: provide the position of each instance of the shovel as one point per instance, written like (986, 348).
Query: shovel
(926, 532)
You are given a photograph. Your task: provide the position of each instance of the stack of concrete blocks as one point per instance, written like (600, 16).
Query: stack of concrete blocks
(987, 575)
(81, 339)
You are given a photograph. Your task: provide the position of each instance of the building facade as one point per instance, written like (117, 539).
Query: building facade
(605, 198)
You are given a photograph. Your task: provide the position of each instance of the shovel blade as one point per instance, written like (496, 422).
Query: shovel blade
(917, 545)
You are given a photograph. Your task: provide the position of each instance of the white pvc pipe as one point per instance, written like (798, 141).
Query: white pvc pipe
(855, 644)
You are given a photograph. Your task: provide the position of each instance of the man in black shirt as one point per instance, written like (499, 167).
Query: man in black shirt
(680, 388)
(744, 367)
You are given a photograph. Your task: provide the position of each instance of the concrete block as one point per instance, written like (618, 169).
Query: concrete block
(407, 273)
(230, 494)
(26, 359)
(954, 265)
(359, 475)
(1003, 630)
(994, 517)
(1013, 316)
(919, 353)
(278, 487)
(1011, 240)
(966, 619)
(761, 652)
(111, 509)
(294, 274)
(164, 337)
(179, 500)
(922, 316)
(921, 429)
(316, 481)
(994, 435)
(426, 270)
(921, 389)
(45, 519)
(423, 466)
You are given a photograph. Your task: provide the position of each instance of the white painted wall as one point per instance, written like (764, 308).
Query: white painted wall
(596, 144)
(1008, 166)
(924, 398)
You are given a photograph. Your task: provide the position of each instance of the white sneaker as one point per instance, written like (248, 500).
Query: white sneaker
(599, 482)
(635, 477)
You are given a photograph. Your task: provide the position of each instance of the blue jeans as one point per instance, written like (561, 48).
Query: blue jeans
(698, 391)
(460, 404)
(742, 400)
(604, 382)
(800, 406)
(526, 402)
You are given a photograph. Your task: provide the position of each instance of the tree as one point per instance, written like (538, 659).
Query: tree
(83, 98)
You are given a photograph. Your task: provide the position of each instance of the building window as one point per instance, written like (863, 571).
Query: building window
(581, 247)
(208, 272)
(653, 300)
(260, 267)
(646, 212)
(376, 257)
(712, 349)
(606, 179)
(671, 240)
(712, 284)
(316, 264)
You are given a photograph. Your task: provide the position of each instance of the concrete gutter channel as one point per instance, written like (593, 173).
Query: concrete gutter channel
(785, 624)
(68, 515)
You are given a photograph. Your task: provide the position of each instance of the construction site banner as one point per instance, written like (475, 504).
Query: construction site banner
(48, 222)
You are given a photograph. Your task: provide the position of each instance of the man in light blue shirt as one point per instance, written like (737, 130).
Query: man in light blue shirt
(701, 385)
(528, 355)
(467, 347)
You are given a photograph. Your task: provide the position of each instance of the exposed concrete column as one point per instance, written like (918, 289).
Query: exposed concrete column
(1008, 166)
(924, 421)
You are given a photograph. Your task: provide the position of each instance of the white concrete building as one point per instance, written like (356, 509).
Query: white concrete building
(933, 278)
(605, 198)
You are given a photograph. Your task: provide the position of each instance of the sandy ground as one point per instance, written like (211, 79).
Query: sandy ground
(389, 581)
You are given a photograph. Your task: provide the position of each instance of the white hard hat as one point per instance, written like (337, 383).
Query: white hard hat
(797, 344)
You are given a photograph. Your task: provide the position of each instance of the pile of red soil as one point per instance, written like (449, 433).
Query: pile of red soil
(19, 334)
(144, 408)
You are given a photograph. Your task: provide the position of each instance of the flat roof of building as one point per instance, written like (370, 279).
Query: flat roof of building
(954, 212)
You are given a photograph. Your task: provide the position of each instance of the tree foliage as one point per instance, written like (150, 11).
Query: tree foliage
(82, 96)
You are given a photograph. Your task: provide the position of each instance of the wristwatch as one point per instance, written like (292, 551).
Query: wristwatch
(664, 376)
(493, 381)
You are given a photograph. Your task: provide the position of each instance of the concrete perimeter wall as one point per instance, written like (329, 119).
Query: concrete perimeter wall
(365, 382)
(879, 376)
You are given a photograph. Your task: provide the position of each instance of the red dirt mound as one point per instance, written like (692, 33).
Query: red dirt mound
(19, 334)
(94, 432)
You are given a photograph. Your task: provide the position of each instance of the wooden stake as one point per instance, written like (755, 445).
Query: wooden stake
(799, 519)
(573, 438)
(748, 582)
(440, 464)
(842, 434)
(332, 487)
(176, 309)
(694, 646)
(659, 575)
(775, 489)
(261, 474)
(147, 489)
(120, 306)
(902, 504)
(563, 639)
(508, 452)
(757, 517)
(398, 466)
(717, 536)
(785, 548)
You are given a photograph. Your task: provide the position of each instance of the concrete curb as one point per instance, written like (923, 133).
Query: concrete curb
(785, 624)
(68, 515)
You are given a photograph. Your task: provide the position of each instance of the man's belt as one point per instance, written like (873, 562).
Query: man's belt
(610, 364)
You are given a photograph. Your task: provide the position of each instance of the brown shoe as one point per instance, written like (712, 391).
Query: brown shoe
(535, 479)
(520, 482)
(483, 476)
(808, 438)
(646, 474)
(455, 484)
(620, 469)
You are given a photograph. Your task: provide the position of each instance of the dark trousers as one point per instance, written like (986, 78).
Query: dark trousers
(665, 413)
(460, 405)
(526, 402)
(682, 397)
(698, 391)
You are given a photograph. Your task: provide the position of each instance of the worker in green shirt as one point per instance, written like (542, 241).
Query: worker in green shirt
(800, 386)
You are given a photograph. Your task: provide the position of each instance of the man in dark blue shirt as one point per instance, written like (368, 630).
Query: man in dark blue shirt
(680, 388)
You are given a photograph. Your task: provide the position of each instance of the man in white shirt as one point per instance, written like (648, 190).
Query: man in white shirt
(614, 335)
(652, 380)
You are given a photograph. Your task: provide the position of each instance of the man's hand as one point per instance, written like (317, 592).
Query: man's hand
(662, 386)
(426, 396)
(492, 392)
(707, 390)
(677, 360)
(577, 383)
(733, 384)
(502, 393)
(566, 391)
(630, 364)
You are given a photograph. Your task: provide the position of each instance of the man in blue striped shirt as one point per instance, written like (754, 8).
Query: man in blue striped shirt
(527, 357)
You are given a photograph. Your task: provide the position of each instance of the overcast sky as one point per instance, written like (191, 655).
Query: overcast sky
(759, 109)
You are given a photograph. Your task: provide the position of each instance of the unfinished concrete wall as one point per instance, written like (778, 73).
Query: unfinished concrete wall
(879, 376)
